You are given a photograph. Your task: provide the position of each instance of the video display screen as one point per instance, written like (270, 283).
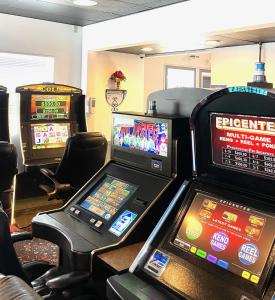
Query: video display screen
(232, 236)
(50, 107)
(108, 197)
(244, 143)
(150, 137)
(52, 135)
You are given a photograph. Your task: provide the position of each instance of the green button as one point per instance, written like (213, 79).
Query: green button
(201, 253)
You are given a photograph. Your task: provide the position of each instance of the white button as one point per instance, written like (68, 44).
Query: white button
(98, 224)
(72, 209)
(77, 212)
(92, 220)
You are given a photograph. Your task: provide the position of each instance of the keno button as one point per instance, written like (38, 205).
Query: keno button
(72, 209)
(77, 212)
(92, 220)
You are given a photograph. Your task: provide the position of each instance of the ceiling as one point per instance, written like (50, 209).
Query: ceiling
(64, 11)
(224, 39)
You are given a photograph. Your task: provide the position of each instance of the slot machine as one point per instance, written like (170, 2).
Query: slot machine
(216, 241)
(118, 207)
(49, 114)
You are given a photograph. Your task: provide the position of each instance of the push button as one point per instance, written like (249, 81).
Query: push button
(98, 224)
(77, 212)
(193, 249)
(245, 274)
(201, 253)
(255, 279)
(72, 209)
(223, 264)
(92, 220)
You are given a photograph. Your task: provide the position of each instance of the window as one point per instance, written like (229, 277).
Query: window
(20, 69)
(205, 79)
(179, 77)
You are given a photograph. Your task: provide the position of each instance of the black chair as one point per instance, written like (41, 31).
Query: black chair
(84, 155)
(46, 279)
(8, 167)
(9, 263)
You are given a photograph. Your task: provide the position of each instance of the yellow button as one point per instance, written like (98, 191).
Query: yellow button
(193, 249)
(245, 274)
(255, 278)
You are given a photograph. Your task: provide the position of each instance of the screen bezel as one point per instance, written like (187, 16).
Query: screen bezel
(44, 123)
(235, 169)
(117, 151)
(95, 186)
(168, 242)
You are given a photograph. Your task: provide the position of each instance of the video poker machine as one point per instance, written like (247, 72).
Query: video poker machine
(219, 244)
(49, 114)
(120, 205)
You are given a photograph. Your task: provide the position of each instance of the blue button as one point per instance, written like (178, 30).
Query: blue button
(223, 264)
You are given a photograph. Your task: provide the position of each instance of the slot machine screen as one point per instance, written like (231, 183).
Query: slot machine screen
(108, 197)
(146, 136)
(51, 135)
(232, 236)
(50, 107)
(244, 143)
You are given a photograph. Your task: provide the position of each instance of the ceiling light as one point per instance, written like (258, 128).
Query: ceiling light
(212, 42)
(84, 2)
(146, 49)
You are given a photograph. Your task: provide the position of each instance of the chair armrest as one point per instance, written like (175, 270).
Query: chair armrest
(68, 280)
(21, 236)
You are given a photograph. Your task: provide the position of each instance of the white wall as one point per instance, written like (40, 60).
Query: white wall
(100, 67)
(36, 37)
(154, 69)
(182, 26)
(235, 65)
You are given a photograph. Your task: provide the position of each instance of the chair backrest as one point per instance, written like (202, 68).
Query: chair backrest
(9, 263)
(8, 165)
(84, 155)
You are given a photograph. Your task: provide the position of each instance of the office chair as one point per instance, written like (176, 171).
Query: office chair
(84, 155)
(8, 167)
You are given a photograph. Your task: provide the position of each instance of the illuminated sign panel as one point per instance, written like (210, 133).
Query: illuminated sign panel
(245, 143)
(232, 236)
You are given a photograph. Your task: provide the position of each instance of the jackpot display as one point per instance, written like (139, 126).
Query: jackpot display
(45, 136)
(108, 197)
(232, 236)
(146, 136)
(245, 143)
(46, 107)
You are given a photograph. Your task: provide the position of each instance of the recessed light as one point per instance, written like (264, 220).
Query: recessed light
(84, 2)
(146, 49)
